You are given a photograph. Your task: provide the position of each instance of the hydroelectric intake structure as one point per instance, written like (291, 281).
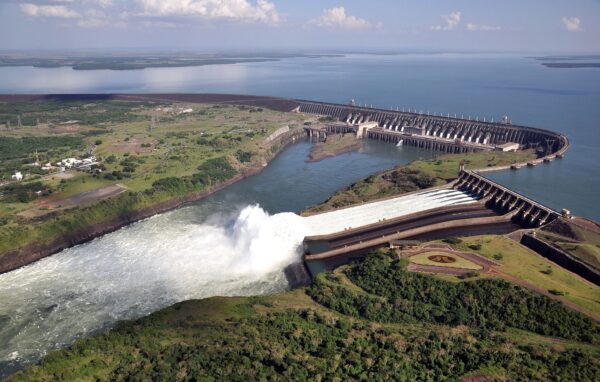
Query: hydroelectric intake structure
(493, 209)
(437, 132)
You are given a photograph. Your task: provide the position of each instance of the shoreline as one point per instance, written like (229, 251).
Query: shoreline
(33, 252)
(30, 253)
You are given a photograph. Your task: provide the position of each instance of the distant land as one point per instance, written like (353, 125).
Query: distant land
(143, 61)
(567, 62)
(572, 64)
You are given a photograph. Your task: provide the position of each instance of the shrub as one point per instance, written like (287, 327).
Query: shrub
(244, 156)
(452, 240)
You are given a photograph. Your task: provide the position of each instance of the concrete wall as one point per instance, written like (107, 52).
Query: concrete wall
(561, 258)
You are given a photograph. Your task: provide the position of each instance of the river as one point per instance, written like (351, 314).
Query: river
(234, 242)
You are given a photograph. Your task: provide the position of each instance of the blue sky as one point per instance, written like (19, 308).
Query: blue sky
(461, 25)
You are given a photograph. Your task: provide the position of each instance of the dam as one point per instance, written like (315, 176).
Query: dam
(443, 133)
(470, 205)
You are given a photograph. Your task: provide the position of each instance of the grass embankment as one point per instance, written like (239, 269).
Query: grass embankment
(335, 144)
(579, 238)
(456, 262)
(369, 321)
(415, 176)
(524, 266)
(189, 150)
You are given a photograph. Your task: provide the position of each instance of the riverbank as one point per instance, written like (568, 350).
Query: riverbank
(417, 175)
(335, 144)
(35, 251)
(187, 157)
(343, 326)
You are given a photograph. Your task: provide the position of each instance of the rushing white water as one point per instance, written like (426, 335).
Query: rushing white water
(140, 269)
(369, 213)
(162, 260)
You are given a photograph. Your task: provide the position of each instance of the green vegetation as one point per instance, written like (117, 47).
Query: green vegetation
(579, 238)
(445, 167)
(25, 148)
(157, 162)
(396, 295)
(397, 181)
(520, 265)
(415, 176)
(334, 145)
(24, 193)
(374, 324)
(456, 262)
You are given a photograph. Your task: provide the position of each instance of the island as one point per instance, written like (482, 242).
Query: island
(334, 145)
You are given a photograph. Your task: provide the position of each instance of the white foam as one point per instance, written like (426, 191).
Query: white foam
(163, 260)
(364, 214)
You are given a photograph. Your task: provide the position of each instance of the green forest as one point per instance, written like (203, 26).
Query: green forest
(370, 321)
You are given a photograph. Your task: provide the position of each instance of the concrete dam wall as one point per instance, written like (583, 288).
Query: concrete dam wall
(438, 132)
(525, 211)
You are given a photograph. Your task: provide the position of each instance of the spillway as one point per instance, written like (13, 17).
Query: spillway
(369, 213)
(119, 276)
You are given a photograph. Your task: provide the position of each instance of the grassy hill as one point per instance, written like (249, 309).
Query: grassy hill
(371, 320)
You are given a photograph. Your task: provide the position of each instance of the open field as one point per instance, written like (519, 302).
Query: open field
(578, 237)
(521, 265)
(364, 321)
(445, 167)
(447, 260)
(158, 151)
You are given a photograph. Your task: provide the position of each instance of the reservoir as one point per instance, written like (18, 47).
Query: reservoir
(472, 85)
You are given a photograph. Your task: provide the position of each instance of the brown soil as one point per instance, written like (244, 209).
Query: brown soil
(442, 259)
(49, 206)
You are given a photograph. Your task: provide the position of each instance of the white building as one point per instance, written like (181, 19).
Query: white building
(508, 146)
(17, 176)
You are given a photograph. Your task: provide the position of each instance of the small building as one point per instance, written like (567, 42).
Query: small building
(362, 128)
(507, 147)
(17, 176)
(69, 162)
(414, 130)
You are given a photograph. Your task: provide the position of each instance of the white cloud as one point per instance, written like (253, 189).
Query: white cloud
(337, 17)
(452, 20)
(485, 28)
(53, 11)
(572, 24)
(157, 13)
(241, 10)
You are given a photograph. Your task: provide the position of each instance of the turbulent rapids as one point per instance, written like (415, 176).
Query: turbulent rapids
(139, 269)
(163, 260)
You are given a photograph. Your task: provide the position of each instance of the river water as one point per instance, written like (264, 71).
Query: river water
(237, 241)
